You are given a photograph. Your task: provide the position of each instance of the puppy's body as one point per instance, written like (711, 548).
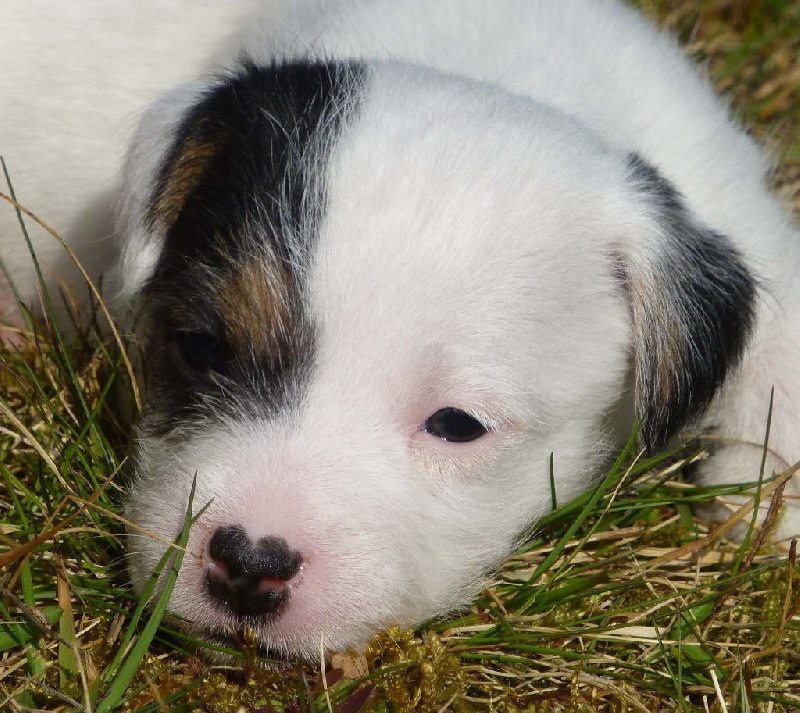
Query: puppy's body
(388, 266)
(75, 79)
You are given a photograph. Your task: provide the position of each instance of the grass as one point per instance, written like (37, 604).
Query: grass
(619, 601)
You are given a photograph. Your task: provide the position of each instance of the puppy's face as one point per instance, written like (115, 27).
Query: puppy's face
(373, 302)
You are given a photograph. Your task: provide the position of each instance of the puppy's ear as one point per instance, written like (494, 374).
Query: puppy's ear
(155, 143)
(692, 302)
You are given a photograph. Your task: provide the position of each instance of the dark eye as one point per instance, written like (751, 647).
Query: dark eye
(200, 350)
(454, 425)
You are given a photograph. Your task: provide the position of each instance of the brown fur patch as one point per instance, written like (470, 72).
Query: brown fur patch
(186, 168)
(254, 301)
(660, 342)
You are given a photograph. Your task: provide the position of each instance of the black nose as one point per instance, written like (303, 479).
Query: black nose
(250, 577)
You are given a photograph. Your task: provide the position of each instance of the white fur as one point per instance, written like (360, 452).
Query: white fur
(465, 259)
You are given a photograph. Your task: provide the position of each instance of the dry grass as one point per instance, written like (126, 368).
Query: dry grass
(620, 601)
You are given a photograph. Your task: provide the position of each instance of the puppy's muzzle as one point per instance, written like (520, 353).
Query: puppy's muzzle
(250, 578)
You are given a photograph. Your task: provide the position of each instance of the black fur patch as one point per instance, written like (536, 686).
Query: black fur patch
(239, 197)
(693, 312)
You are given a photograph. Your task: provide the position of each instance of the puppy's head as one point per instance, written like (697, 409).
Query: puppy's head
(373, 301)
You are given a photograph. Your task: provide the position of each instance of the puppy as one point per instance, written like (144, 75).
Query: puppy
(394, 256)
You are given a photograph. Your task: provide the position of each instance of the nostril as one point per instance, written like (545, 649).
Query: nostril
(250, 577)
